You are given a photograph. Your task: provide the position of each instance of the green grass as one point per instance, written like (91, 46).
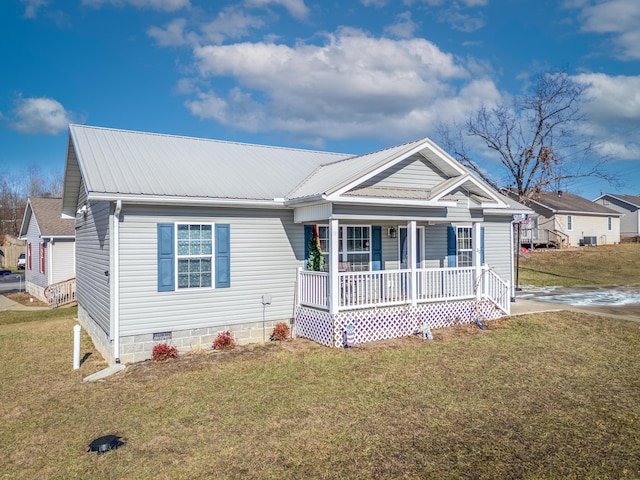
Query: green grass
(548, 396)
(603, 265)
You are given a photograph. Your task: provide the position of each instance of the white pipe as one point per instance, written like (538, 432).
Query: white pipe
(115, 279)
(76, 347)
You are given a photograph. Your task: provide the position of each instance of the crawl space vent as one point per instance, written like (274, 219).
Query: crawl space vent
(161, 336)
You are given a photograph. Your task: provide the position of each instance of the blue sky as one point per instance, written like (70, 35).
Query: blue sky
(344, 76)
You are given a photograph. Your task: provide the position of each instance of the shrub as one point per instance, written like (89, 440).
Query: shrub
(224, 341)
(280, 331)
(163, 351)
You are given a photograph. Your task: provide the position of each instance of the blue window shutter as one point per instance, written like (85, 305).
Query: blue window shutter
(376, 247)
(223, 256)
(452, 250)
(481, 245)
(166, 254)
(308, 232)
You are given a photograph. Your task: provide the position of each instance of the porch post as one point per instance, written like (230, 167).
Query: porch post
(475, 240)
(334, 282)
(412, 258)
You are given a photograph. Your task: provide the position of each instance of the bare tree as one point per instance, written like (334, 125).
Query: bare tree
(537, 138)
(16, 188)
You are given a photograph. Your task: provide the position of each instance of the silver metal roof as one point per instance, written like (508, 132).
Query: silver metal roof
(135, 163)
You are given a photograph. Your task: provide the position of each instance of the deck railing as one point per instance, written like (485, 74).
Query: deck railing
(61, 293)
(393, 287)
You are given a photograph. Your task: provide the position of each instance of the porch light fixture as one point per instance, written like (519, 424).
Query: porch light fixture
(392, 232)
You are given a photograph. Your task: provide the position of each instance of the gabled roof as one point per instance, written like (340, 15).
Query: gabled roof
(145, 167)
(633, 200)
(48, 215)
(564, 202)
(125, 164)
(343, 179)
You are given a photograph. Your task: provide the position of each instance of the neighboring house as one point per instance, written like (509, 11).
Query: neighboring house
(628, 206)
(50, 250)
(563, 219)
(178, 239)
(11, 248)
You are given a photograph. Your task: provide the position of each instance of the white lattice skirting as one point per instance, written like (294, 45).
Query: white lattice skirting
(382, 323)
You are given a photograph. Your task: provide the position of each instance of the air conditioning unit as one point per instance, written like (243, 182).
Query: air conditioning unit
(589, 241)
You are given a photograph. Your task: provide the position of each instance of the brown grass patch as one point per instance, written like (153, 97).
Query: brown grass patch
(26, 299)
(541, 396)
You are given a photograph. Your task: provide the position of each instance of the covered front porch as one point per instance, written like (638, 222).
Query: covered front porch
(396, 294)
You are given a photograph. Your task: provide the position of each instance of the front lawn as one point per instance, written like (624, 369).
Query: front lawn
(548, 396)
(602, 265)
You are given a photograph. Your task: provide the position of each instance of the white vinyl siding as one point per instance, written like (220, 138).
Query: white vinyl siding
(93, 265)
(414, 172)
(266, 249)
(497, 246)
(62, 260)
(34, 275)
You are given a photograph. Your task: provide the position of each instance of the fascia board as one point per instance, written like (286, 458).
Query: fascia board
(26, 218)
(192, 201)
(391, 201)
(618, 199)
(593, 214)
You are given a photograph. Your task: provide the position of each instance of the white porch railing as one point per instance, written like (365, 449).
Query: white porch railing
(392, 287)
(61, 293)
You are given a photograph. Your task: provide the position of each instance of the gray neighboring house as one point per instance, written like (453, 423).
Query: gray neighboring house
(628, 206)
(50, 249)
(563, 219)
(178, 239)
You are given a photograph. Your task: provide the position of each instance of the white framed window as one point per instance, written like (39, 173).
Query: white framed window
(194, 255)
(464, 247)
(354, 246)
(609, 223)
(569, 222)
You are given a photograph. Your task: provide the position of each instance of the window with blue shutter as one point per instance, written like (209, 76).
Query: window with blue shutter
(223, 256)
(481, 245)
(166, 256)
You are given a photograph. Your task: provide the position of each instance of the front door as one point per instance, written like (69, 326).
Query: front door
(402, 245)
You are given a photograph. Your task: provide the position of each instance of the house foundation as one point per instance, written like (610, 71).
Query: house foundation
(137, 348)
(372, 324)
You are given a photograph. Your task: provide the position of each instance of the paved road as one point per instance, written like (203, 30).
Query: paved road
(13, 282)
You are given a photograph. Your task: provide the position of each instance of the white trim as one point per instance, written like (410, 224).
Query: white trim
(114, 276)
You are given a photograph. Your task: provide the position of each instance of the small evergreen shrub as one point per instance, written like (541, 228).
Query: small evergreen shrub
(163, 351)
(280, 332)
(224, 341)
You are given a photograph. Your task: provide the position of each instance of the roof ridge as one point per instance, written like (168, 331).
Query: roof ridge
(214, 140)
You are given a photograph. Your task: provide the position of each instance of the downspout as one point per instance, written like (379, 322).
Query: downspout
(115, 278)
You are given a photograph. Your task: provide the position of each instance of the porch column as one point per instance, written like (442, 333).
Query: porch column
(334, 281)
(412, 259)
(476, 245)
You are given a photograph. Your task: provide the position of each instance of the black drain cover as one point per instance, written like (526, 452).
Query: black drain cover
(105, 443)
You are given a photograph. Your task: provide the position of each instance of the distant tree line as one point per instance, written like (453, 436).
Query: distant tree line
(16, 188)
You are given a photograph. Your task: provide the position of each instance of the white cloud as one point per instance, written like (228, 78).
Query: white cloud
(166, 5)
(230, 23)
(39, 115)
(353, 85)
(403, 27)
(612, 99)
(32, 6)
(172, 34)
(618, 18)
(613, 113)
(296, 8)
